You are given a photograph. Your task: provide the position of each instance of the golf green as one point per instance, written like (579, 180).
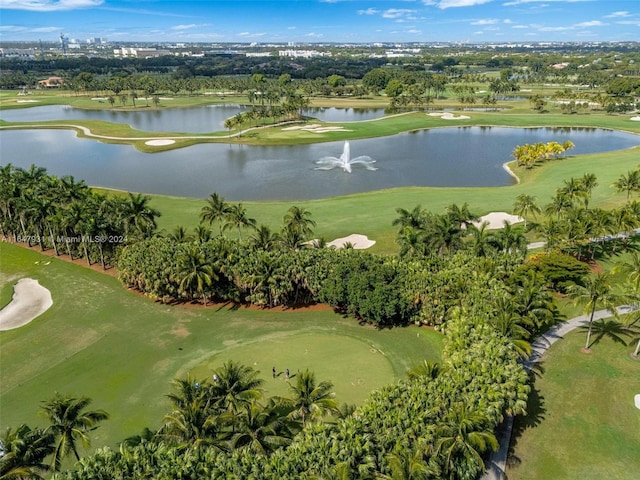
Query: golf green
(355, 367)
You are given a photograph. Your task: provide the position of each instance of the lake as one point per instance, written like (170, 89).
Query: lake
(440, 157)
(203, 119)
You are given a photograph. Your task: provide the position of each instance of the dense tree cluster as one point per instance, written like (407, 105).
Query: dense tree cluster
(529, 155)
(63, 214)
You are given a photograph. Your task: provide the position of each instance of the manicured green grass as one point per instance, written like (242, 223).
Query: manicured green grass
(123, 350)
(582, 422)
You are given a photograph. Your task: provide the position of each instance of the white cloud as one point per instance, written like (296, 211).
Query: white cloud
(521, 2)
(315, 35)
(368, 11)
(22, 29)
(251, 35)
(507, 21)
(593, 23)
(486, 21)
(49, 5)
(414, 30)
(397, 12)
(185, 27)
(520, 26)
(618, 15)
(442, 4)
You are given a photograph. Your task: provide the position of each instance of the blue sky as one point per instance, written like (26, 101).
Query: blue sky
(322, 20)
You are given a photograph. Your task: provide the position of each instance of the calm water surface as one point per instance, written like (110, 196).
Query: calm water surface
(456, 156)
(203, 119)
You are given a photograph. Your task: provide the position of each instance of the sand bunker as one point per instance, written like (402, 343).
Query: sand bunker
(315, 128)
(637, 401)
(449, 116)
(27, 101)
(159, 143)
(496, 220)
(30, 299)
(635, 119)
(359, 242)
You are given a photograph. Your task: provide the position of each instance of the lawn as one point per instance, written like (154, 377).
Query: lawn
(122, 350)
(582, 422)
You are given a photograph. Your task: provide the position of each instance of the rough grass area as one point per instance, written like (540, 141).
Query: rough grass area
(582, 422)
(122, 350)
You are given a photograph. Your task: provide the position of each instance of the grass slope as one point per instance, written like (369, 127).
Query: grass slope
(122, 350)
(582, 422)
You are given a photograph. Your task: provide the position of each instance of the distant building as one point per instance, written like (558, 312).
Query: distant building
(51, 82)
(303, 53)
(140, 52)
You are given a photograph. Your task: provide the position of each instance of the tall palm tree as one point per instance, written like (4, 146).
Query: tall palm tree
(299, 219)
(524, 205)
(23, 453)
(410, 464)
(263, 238)
(70, 422)
(311, 400)
(628, 183)
(195, 273)
(139, 218)
(461, 215)
(630, 267)
(215, 210)
(461, 441)
(236, 385)
(597, 291)
(237, 217)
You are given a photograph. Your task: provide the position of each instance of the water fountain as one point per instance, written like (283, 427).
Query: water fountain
(345, 162)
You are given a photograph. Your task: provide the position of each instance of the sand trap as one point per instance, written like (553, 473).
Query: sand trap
(159, 143)
(635, 119)
(30, 299)
(359, 242)
(27, 101)
(100, 99)
(636, 399)
(449, 116)
(315, 128)
(496, 220)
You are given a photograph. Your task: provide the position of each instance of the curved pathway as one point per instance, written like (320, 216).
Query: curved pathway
(498, 460)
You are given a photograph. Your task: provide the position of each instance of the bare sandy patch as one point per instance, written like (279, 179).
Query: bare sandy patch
(30, 299)
(27, 101)
(100, 99)
(496, 220)
(635, 119)
(159, 143)
(448, 116)
(359, 242)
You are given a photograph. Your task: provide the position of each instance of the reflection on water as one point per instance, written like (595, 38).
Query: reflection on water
(201, 119)
(457, 156)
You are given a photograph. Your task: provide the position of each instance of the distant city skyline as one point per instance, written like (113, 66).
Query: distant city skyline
(317, 21)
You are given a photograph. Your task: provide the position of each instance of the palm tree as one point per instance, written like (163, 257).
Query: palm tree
(525, 204)
(409, 464)
(597, 291)
(69, 422)
(414, 218)
(263, 238)
(237, 217)
(299, 219)
(195, 273)
(628, 183)
(263, 430)
(23, 452)
(139, 217)
(202, 234)
(311, 400)
(588, 183)
(461, 215)
(236, 386)
(461, 441)
(215, 210)
(632, 268)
